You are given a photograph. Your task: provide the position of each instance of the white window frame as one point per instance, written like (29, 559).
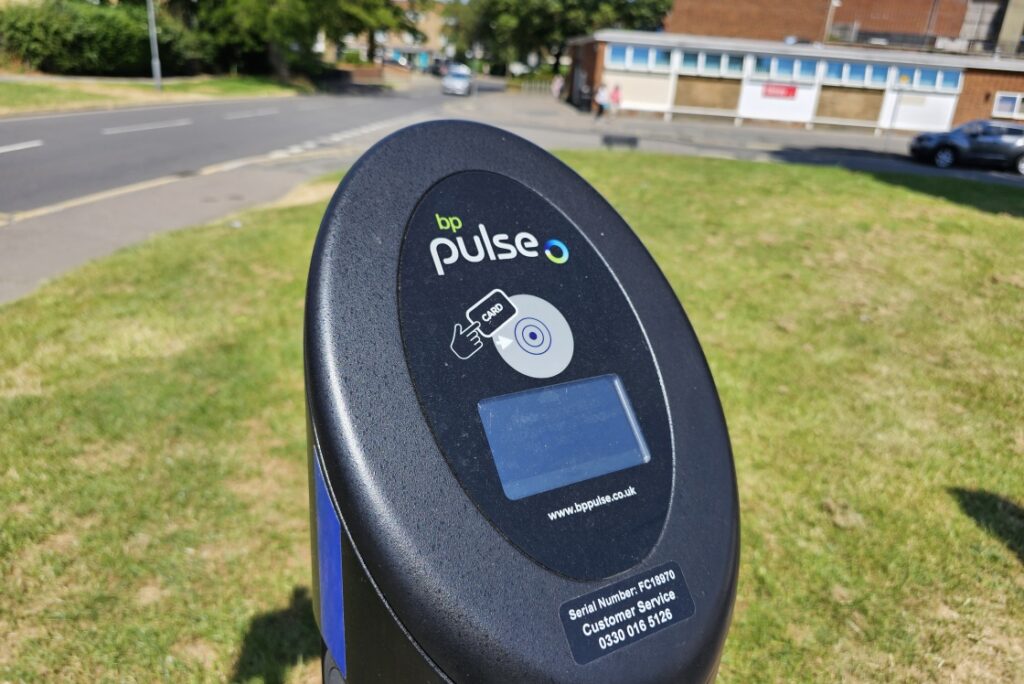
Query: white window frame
(915, 83)
(691, 71)
(728, 56)
(1016, 114)
(828, 80)
(942, 80)
(702, 62)
(799, 77)
(630, 53)
(931, 88)
(608, 64)
(653, 60)
(773, 70)
(870, 81)
(753, 67)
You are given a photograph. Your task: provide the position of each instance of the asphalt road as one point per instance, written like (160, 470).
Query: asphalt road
(48, 159)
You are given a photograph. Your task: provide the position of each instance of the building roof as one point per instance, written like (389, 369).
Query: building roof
(819, 50)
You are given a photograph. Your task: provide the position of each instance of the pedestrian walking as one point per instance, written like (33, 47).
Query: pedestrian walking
(616, 99)
(602, 99)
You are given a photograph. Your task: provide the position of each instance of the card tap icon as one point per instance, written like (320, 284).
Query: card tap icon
(485, 318)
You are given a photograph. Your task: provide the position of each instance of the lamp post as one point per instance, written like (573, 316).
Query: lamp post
(832, 5)
(154, 49)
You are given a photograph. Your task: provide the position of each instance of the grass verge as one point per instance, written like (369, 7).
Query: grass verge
(864, 332)
(20, 97)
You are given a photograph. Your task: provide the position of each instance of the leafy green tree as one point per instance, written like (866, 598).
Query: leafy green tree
(344, 17)
(511, 29)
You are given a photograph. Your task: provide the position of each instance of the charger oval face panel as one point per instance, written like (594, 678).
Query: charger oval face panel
(535, 375)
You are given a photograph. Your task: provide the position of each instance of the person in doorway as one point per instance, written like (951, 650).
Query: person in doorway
(616, 99)
(601, 100)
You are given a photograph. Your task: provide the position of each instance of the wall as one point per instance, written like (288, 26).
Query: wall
(754, 104)
(768, 20)
(979, 93)
(777, 19)
(641, 91)
(713, 93)
(904, 16)
(912, 111)
(854, 104)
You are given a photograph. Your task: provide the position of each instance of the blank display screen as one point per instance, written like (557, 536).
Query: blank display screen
(555, 436)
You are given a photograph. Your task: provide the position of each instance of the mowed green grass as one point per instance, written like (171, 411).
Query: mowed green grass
(865, 334)
(61, 95)
(21, 96)
(234, 86)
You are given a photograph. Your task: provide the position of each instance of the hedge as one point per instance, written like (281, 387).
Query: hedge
(75, 37)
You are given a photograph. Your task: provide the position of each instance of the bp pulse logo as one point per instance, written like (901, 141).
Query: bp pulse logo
(484, 246)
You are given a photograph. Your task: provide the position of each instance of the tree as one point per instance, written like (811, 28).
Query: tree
(345, 17)
(512, 29)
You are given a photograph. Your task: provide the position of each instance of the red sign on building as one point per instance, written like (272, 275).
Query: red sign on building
(785, 92)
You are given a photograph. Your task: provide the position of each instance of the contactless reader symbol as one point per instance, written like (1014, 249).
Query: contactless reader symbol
(485, 317)
(541, 344)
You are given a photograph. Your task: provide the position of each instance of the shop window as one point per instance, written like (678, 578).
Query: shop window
(662, 59)
(856, 74)
(763, 66)
(690, 61)
(617, 55)
(905, 77)
(808, 69)
(950, 80)
(879, 74)
(784, 68)
(927, 78)
(641, 58)
(712, 64)
(734, 64)
(834, 71)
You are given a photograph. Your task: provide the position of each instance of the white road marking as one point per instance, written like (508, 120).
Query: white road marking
(396, 122)
(28, 145)
(250, 114)
(151, 126)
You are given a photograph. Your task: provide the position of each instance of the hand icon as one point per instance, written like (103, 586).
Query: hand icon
(466, 341)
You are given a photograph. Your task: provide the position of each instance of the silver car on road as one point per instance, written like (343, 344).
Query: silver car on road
(458, 81)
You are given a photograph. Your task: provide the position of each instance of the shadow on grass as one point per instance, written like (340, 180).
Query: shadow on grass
(992, 190)
(995, 514)
(278, 640)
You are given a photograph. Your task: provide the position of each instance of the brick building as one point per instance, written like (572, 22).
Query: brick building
(809, 84)
(958, 25)
(757, 19)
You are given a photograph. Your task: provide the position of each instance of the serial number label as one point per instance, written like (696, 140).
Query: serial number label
(620, 614)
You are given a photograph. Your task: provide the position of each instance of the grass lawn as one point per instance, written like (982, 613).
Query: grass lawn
(18, 97)
(865, 334)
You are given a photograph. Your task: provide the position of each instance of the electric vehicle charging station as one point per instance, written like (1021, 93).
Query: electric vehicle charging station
(519, 466)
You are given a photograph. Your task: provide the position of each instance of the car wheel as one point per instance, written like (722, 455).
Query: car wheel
(1018, 164)
(944, 157)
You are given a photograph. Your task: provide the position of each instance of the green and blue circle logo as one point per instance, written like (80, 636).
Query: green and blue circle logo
(556, 251)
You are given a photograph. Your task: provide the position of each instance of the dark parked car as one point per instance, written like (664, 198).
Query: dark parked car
(991, 143)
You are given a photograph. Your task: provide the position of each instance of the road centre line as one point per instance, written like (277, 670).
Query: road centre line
(151, 126)
(8, 219)
(27, 145)
(250, 114)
